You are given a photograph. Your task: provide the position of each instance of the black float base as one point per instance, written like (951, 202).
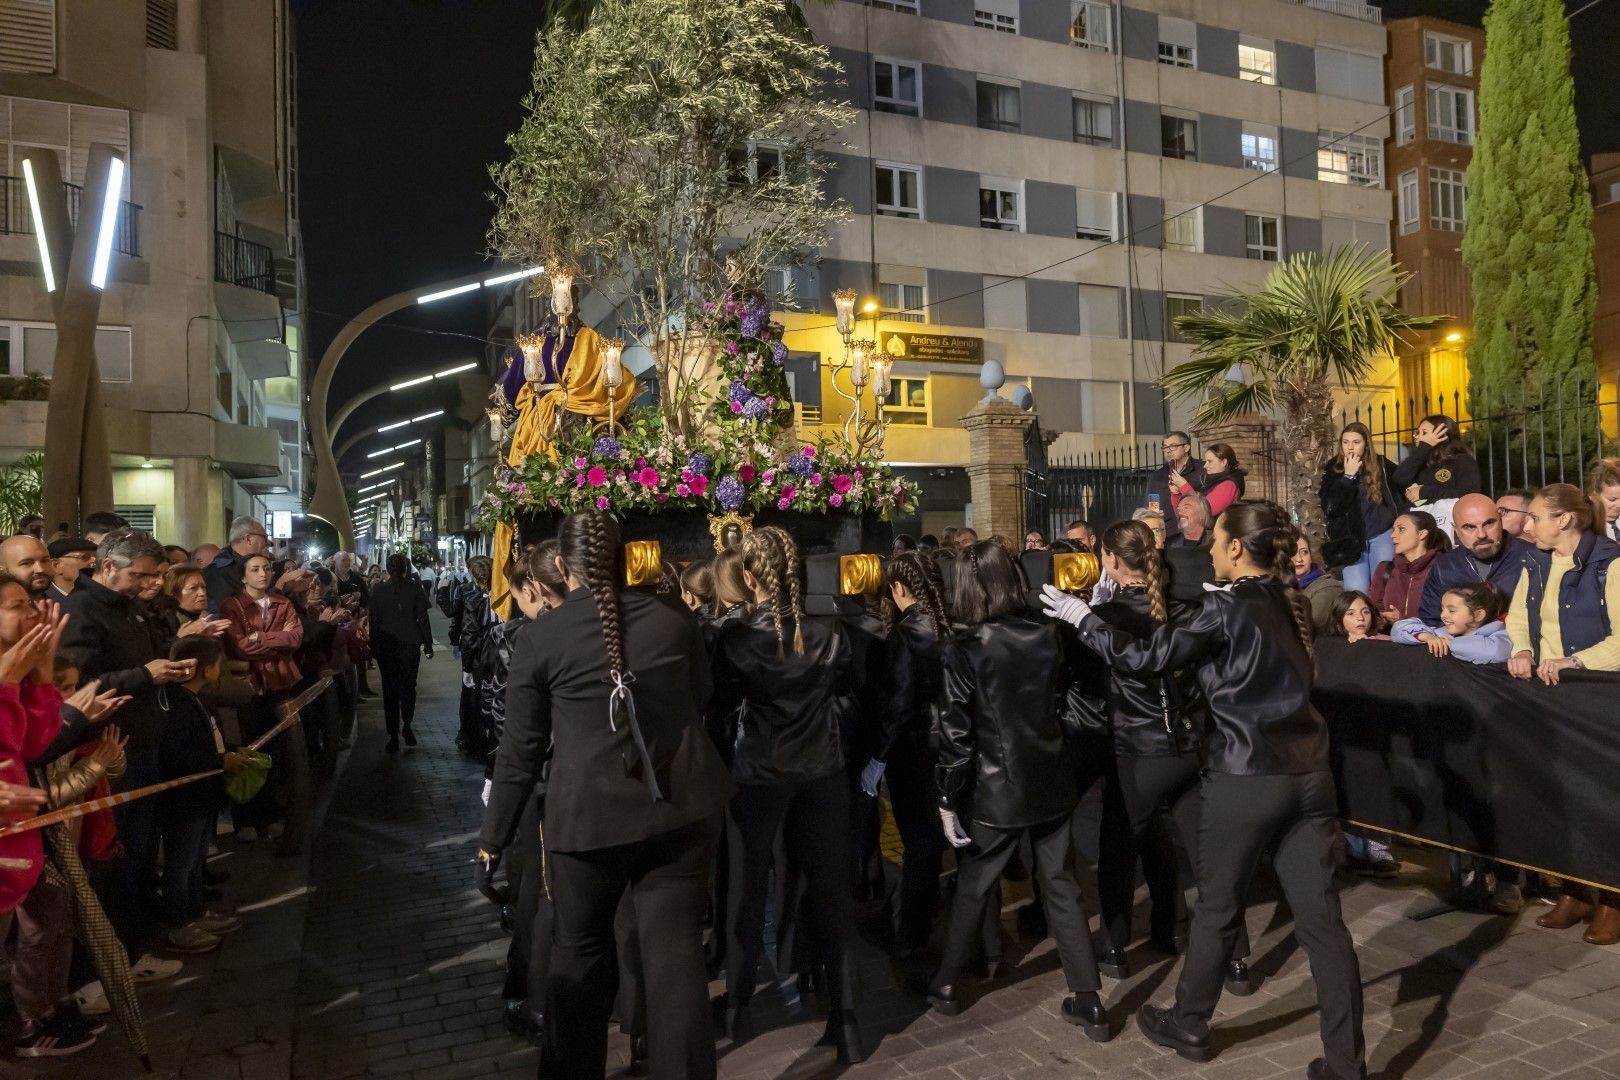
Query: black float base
(686, 536)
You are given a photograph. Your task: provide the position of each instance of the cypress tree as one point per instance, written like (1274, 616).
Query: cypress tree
(1528, 238)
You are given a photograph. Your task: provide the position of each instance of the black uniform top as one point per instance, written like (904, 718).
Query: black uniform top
(787, 712)
(597, 793)
(1001, 753)
(916, 685)
(1438, 475)
(1151, 715)
(1255, 675)
(863, 723)
(399, 613)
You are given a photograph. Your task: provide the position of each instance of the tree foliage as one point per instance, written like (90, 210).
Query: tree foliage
(21, 485)
(631, 165)
(1528, 243)
(1319, 322)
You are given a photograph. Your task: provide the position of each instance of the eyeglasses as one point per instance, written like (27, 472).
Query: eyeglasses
(1175, 446)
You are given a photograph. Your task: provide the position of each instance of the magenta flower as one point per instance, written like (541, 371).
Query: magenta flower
(686, 476)
(683, 489)
(788, 491)
(579, 463)
(815, 479)
(597, 476)
(769, 477)
(782, 504)
(601, 502)
(648, 477)
(699, 485)
(842, 483)
(809, 451)
(746, 473)
(579, 480)
(641, 463)
(835, 499)
(731, 348)
(736, 406)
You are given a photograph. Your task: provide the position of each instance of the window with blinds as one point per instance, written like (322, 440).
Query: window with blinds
(67, 129)
(28, 36)
(143, 517)
(163, 24)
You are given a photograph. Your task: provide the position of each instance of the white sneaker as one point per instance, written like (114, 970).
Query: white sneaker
(216, 924)
(151, 968)
(247, 834)
(91, 999)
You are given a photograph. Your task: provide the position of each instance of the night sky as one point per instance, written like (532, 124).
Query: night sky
(404, 103)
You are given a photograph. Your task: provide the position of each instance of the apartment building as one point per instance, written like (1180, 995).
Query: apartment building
(1049, 183)
(199, 333)
(1433, 85)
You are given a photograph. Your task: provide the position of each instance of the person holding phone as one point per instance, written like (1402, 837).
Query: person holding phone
(1180, 473)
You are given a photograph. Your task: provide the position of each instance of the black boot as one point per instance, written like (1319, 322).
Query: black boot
(1318, 1070)
(1085, 1012)
(942, 999)
(1239, 982)
(1114, 964)
(410, 736)
(1160, 1027)
(740, 1024)
(638, 1055)
(844, 1032)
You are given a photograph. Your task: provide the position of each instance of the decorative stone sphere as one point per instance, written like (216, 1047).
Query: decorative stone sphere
(992, 376)
(1023, 397)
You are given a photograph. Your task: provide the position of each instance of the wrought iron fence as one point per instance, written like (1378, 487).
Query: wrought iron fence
(239, 261)
(17, 217)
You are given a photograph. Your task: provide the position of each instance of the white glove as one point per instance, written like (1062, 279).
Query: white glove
(488, 786)
(1060, 605)
(954, 834)
(871, 775)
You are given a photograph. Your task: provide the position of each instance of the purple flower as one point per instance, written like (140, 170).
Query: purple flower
(799, 465)
(731, 348)
(755, 409)
(607, 447)
(700, 464)
(835, 499)
(729, 492)
(779, 352)
(708, 307)
(738, 391)
(755, 315)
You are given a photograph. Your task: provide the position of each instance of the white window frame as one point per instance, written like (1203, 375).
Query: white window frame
(1170, 333)
(1098, 29)
(1107, 106)
(925, 410)
(1441, 183)
(72, 155)
(998, 15)
(1405, 115)
(1182, 228)
(1349, 158)
(14, 332)
(905, 7)
(1178, 42)
(1443, 120)
(1262, 251)
(751, 169)
(1258, 145)
(1349, 58)
(897, 305)
(1014, 126)
(1091, 390)
(897, 210)
(1257, 60)
(897, 106)
(1002, 186)
(1085, 227)
(1406, 188)
(1164, 146)
(1462, 52)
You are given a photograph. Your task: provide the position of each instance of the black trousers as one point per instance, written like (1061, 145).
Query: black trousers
(666, 877)
(914, 798)
(1241, 817)
(528, 958)
(813, 816)
(1146, 784)
(397, 664)
(979, 867)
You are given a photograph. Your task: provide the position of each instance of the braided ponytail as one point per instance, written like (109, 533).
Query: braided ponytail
(591, 550)
(790, 558)
(766, 557)
(1133, 543)
(920, 575)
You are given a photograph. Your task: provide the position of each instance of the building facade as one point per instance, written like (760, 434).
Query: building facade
(199, 330)
(1433, 85)
(1606, 249)
(1049, 183)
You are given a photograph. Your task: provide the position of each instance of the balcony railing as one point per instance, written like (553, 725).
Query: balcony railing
(238, 261)
(17, 217)
(1353, 9)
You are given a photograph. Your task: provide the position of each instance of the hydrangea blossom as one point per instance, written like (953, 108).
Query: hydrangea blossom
(779, 352)
(755, 409)
(799, 465)
(607, 446)
(754, 317)
(729, 492)
(700, 464)
(738, 392)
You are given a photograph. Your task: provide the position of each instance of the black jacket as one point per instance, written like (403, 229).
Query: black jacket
(1353, 517)
(107, 638)
(785, 711)
(598, 794)
(471, 627)
(188, 747)
(399, 613)
(1151, 715)
(1254, 672)
(1002, 760)
(1438, 476)
(1158, 490)
(354, 585)
(863, 722)
(223, 577)
(916, 685)
(503, 640)
(1189, 568)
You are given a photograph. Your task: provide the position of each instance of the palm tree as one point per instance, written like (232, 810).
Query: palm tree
(1317, 323)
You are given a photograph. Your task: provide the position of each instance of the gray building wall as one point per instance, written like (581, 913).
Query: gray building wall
(1049, 209)
(1139, 34)
(857, 76)
(1142, 135)
(1298, 152)
(1054, 306)
(850, 178)
(1048, 111)
(1296, 67)
(1043, 20)
(838, 274)
(955, 11)
(950, 196)
(949, 95)
(1146, 219)
(1147, 314)
(1301, 234)
(1217, 50)
(1223, 231)
(955, 298)
(1220, 140)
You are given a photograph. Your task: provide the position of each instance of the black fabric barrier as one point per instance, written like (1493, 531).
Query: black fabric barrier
(1468, 757)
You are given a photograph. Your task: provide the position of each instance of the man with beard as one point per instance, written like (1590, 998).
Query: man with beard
(24, 557)
(1484, 552)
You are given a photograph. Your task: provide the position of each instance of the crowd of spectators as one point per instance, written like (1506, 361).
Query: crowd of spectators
(126, 663)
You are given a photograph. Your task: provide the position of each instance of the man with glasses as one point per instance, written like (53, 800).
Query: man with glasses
(1179, 468)
(224, 575)
(1515, 510)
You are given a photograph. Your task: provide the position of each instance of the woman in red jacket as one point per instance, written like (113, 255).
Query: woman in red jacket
(264, 630)
(1397, 585)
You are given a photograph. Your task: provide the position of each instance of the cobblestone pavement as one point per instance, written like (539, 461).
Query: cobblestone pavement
(401, 968)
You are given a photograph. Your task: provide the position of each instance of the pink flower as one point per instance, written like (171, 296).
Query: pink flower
(579, 463)
(686, 476)
(736, 406)
(771, 401)
(859, 476)
(788, 491)
(835, 499)
(842, 483)
(579, 479)
(641, 462)
(601, 502)
(648, 477)
(597, 476)
(815, 479)
(699, 485)
(683, 489)
(662, 498)
(745, 473)
(769, 477)
(782, 504)
(809, 451)
(731, 348)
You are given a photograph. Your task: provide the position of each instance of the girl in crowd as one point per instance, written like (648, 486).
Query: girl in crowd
(1321, 589)
(1438, 469)
(1223, 478)
(1561, 618)
(697, 589)
(1470, 627)
(781, 680)
(1606, 486)
(1157, 724)
(612, 683)
(1004, 775)
(1360, 499)
(1397, 585)
(1355, 618)
(1267, 778)
(916, 689)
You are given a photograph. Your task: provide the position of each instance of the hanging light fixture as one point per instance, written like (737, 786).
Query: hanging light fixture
(844, 302)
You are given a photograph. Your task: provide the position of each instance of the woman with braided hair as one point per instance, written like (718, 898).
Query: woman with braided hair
(782, 678)
(609, 687)
(1156, 724)
(1267, 778)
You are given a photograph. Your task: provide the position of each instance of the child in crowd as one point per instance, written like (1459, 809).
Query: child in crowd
(1355, 618)
(1470, 626)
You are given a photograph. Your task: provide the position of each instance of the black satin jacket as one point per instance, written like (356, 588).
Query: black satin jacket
(1255, 675)
(1151, 715)
(916, 686)
(780, 717)
(1002, 760)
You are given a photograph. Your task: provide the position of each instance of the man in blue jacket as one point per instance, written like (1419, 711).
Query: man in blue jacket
(1483, 553)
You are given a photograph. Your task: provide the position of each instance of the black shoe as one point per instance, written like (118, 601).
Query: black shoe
(1318, 1070)
(1239, 983)
(1159, 1027)
(740, 1024)
(522, 1021)
(393, 744)
(844, 1032)
(1092, 1019)
(1174, 945)
(638, 1055)
(1114, 964)
(941, 999)
(410, 736)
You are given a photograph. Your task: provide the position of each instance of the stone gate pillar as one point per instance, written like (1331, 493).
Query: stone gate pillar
(996, 463)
